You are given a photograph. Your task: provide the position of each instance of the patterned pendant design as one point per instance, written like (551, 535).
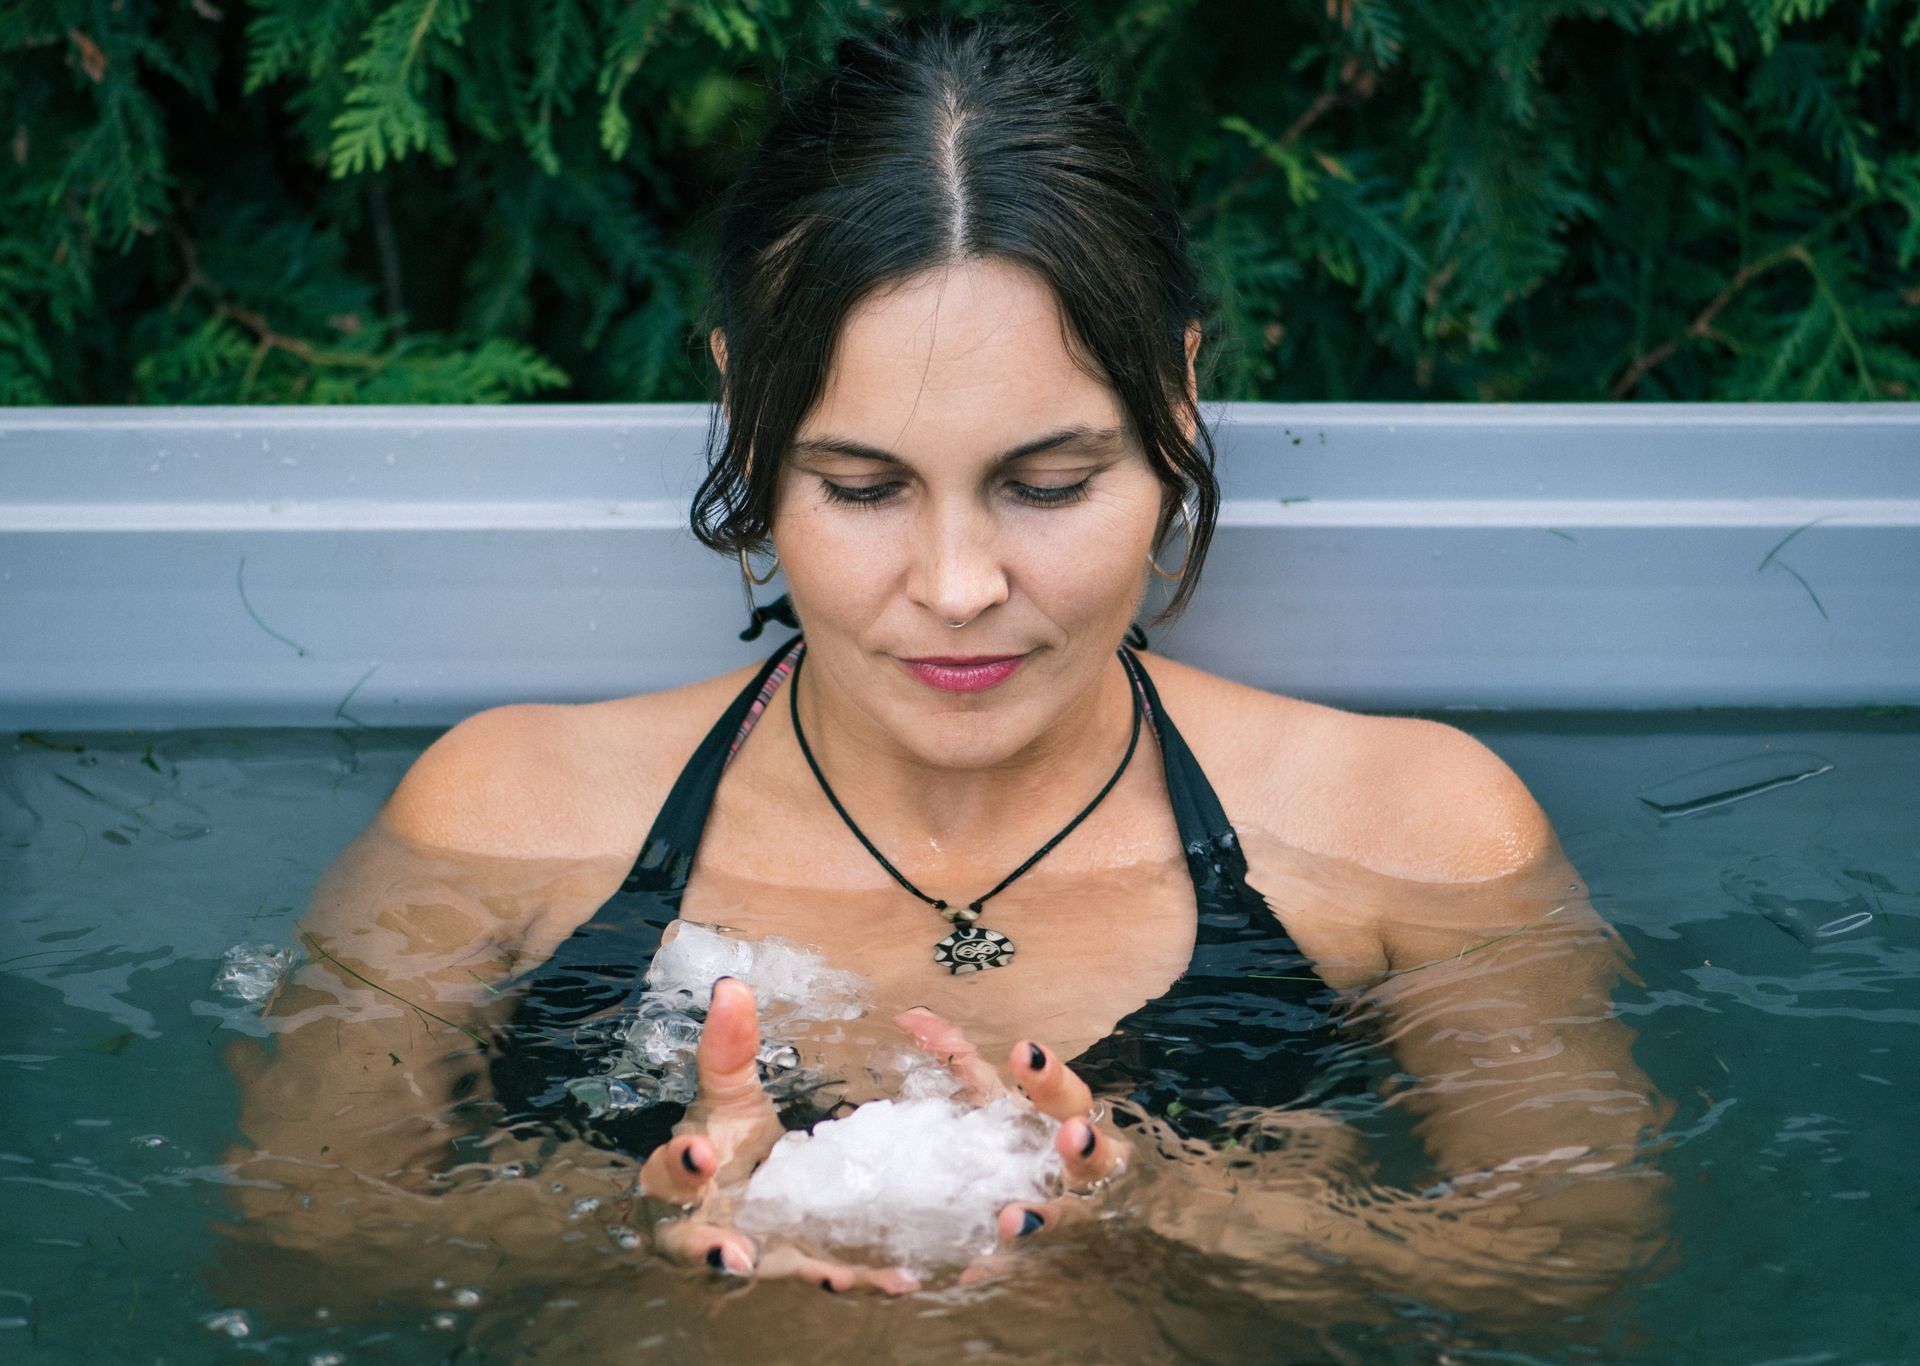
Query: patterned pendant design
(971, 949)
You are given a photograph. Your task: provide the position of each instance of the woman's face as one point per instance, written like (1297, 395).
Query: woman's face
(959, 467)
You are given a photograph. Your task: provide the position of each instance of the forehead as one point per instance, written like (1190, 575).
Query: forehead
(968, 358)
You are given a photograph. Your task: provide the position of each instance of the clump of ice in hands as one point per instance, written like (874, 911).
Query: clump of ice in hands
(787, 980)
(917, 1182)
(250, 972)
(792, 986)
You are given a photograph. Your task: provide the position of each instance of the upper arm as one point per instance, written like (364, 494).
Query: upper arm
(497, 832)
(1495, 991)
(408, 948)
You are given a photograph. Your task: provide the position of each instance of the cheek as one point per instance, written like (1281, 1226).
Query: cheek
(838, 562)
(1090, 564)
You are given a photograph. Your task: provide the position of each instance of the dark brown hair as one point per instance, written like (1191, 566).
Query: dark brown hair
(932, 142)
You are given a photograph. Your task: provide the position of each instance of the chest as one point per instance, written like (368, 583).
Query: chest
(1103, 924)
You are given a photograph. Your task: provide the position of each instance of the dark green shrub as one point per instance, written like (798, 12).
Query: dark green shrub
(208, 201)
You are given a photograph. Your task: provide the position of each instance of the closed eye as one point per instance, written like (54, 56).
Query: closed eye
(858, 495)
(1035, 495)
(1054, 496)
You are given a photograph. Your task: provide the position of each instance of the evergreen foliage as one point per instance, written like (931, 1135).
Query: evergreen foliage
(211, 201)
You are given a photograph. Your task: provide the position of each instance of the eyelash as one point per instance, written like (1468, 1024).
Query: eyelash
(873, 495)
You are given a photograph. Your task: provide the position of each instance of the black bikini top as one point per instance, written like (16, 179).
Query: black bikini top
(1249, 1023)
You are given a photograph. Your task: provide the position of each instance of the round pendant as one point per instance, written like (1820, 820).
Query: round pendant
(973, 950)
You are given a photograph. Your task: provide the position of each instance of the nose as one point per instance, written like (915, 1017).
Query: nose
(958, 571)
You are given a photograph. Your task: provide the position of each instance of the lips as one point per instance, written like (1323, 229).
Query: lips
(963, 673)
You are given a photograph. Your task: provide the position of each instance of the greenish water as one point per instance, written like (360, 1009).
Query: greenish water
(1763, 866)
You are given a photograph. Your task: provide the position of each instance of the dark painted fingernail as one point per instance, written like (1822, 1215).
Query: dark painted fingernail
(686, 1160)
(1031, 1223)
(716, 1259)
(1086, 1149)
(1036, 1057)
(830, 1287)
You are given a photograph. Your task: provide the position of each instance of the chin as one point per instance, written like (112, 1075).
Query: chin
(966, 732)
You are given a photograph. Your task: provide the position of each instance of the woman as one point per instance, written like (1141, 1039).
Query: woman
(957, 330)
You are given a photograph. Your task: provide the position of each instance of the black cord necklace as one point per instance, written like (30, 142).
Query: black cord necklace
(969, 948)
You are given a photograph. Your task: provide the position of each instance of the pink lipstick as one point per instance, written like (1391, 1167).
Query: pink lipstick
(963, 673)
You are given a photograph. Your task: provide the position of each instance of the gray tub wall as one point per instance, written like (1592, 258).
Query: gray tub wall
(432, 562)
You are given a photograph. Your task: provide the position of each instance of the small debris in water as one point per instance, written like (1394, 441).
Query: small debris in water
(150, 1141)
(466, 1297)
(446, 1322)
(327, 1359)
(233, 1322)
(585, 1205)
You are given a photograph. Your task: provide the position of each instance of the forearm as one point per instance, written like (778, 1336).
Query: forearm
(1312, 1226)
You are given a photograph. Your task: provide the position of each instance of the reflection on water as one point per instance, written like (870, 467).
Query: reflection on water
(1774, 995)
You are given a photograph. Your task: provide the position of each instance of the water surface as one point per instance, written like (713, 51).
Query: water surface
(1763, 867)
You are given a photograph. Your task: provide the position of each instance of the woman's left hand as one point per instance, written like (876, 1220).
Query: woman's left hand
(1091, 1152)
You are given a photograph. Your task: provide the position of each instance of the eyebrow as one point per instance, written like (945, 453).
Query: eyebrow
(1075, 438)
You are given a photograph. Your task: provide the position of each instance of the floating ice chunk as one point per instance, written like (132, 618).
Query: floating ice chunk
(655, 1062)
(1803, 901)
(1844, 924)
(1734, 781)
(250, 972)
(785, 977)
(917, 1182)
(232, 1322)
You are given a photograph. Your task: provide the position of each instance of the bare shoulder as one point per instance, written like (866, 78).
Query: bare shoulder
(1407, 797)
(539, 780)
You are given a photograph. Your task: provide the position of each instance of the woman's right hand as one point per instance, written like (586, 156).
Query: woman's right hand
(730, 1128)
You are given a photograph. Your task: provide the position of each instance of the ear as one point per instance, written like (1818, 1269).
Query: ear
(1193, 387)
(717, 343)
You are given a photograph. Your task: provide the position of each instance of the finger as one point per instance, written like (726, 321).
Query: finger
(836, 1278)
(1088, 1154)
(732, 1108)
(1023, 1222)
(1054, 1088)
(944, 1039)
(981, 1270)
(729, 1044)
(678, 1171)
(725, 1250)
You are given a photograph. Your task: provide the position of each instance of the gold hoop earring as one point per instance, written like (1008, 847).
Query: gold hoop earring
(1186, 517)
(748, 580)
(746, 570)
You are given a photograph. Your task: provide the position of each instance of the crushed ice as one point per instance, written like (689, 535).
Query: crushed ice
(918, 1181)
(654, 1062)
(250, 972)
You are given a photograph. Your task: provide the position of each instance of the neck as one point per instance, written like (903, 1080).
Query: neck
(934, 819)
